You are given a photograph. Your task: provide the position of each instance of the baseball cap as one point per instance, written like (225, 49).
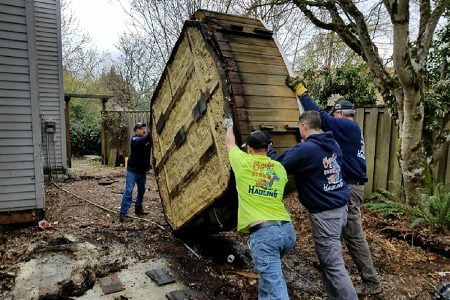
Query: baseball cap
(139, 125)
(342, 104)
(258, 140)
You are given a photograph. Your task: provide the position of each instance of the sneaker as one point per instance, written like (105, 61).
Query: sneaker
(363, 290)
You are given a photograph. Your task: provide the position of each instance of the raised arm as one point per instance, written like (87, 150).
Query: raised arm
(230, 140)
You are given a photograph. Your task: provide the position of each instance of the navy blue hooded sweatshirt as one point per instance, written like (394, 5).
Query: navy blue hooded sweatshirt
(139, 160)
(316, 164)
(349, 137)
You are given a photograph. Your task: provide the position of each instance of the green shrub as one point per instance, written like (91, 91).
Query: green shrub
(433, 210)
(85, 130)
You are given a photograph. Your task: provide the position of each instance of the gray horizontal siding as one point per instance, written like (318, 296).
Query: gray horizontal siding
(18, 180)
(49, 71)
(17, 152)
(9, 199)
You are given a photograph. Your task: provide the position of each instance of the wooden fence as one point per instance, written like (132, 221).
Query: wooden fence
(381, 142)
(129, 118)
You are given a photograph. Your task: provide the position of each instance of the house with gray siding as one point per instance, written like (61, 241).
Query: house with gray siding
(32, 125)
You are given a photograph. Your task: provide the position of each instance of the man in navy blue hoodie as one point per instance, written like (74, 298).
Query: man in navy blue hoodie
(351, 140)
(316, 164)
(138, 165)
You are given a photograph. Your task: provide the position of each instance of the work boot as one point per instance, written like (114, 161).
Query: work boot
(139, 211)
(122, 219)
(363, 290)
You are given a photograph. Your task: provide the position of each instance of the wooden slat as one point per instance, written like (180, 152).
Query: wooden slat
(382, 150)
(15, 110)
(233, 19)
(254, 58)
(359, 117)
(235, 47)
(266, 102)
(256, 78)
(395, 174)
(246, 40)
(370, 123)
(261, 69)
(266, 90)
(273, 114)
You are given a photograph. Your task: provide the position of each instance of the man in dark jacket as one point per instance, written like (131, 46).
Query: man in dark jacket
(351, 140)
(138, 165)
(316, 165)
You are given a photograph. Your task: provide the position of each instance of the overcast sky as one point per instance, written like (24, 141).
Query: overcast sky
(104, 20)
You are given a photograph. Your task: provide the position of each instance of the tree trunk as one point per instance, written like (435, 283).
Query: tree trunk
(412, 157)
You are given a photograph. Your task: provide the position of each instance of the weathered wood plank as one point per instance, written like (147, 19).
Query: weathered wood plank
(370, 123)
(274, 114)
(394, 173)
(359, 117)
(15, 142)
(382, 151)
(246, 40)
(235, 47)
(266, 102)
(261, 69)
(266, 90)
(254, 58)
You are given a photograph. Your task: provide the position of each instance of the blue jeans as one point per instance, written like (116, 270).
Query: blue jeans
(267, 246)
(132, 178)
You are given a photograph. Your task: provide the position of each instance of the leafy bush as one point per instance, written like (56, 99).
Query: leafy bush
(354, 83)
(433, 210)
(85, 130)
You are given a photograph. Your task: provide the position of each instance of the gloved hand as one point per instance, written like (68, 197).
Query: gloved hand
(227, 123)
(296, 84)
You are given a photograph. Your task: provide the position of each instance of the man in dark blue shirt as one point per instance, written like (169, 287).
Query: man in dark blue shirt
(351, 140)
(316, 164)
(138, 165)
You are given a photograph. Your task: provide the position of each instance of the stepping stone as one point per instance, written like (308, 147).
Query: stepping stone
(111, 284)
(179, 295)
(160, 276)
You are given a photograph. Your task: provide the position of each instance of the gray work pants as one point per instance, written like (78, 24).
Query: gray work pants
(326, 229)
(355, 239)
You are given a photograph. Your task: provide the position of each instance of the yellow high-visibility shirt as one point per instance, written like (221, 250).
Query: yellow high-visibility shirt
(260, 183)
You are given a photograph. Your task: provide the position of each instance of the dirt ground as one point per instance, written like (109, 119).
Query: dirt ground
(406, 271)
